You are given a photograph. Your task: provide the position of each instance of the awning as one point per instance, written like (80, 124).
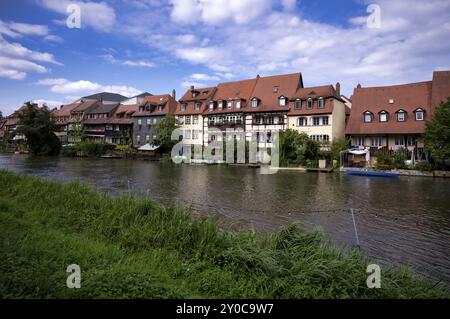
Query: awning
(148, 147)
(355, 152)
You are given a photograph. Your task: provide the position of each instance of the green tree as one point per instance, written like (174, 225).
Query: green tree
(337, 146)
(297, 148)
(36, 125)
(437, 133)
(1, 115)
(164, 131)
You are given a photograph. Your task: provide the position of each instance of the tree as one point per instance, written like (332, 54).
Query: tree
(437, 133)
(164, 131)
(297, 148)
(36, 124)
(1, 115)
(337, 146)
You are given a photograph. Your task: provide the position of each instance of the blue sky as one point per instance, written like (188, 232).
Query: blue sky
(146, 45)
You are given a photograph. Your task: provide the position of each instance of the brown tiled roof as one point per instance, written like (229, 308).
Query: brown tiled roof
(126, 111)
(166, 100)
(85, 106)
(407, 97)
(12, 120)
(65, 110)
(440, 88)
(327, 92)
(315, 92)
(203, 94)
(101, 108)
(190, 101)
(232, 91)
(268, 91)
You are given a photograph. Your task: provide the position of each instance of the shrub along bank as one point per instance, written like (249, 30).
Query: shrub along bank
(130, 247)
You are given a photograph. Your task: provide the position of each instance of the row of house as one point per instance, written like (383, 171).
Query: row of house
(388, 117)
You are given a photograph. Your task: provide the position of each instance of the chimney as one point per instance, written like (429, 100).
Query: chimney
(174, 94)
(192, 87)
(358, 86)
(338, 89)
(258, 76)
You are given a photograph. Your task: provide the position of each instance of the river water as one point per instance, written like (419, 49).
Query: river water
(402, 221)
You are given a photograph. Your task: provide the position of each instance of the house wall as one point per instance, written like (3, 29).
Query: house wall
(190, 128)
(313, 129)
(145, 131)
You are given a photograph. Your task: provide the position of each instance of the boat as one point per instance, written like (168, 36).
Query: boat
(371, 173)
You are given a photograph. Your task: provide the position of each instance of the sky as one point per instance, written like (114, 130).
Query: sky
(134, 46)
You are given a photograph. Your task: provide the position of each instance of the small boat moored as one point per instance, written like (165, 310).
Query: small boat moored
(371, 173)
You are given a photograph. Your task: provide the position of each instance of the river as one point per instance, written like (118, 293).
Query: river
(402, 221)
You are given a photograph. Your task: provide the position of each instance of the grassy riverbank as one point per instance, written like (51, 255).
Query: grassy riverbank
(134, 248)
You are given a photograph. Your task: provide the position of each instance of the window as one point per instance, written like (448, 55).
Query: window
(298, 104)
(376, 141)
(138, 139)
(400, 140)
(259, 120)
(117, 128)
(188, 119)
(320, 104)
(271, 120)
(230, 104)
(302, 121)
(197, 106)
(155, 120)
(195, 134)
(147, 139)
(183, 106)
(320, 138)
(411, 140)
(195, 119)
(419, 115)
(368, 117)
(238, 104)
(401, 116)
(309, 104)
(149, 122)
(275, 89)
(383, 116)
(181, 120)
(109, 127)
(316, 120)
(325, 120)
(282, 101)
(360, 140)
(139, 123)
(211, 105)
(160, 107)
(220, 104)
(187, 134)
(254, 103)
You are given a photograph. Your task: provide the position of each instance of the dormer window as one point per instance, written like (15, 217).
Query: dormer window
(383, 116)
(211, 105)
(254, 102)
(320, 104)
(238, 104)
(183, 107)
(391, 101)
(197, 106)
(282, 101)
(309, 104)
(220, 104)
(401, 116)
(298, 104)
(368, 117)
(230, 104)
(420, 114)
(275, 89)
(160, 107)
(194, 93)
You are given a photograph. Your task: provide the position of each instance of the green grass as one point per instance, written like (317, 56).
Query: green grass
(131, 247)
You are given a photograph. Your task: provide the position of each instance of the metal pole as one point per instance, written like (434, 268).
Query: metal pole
(354, 226)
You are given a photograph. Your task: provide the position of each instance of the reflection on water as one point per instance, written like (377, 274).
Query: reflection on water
(404, 220)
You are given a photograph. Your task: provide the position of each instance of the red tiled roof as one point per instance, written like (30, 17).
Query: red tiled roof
(126, 111)
(190, 101)
(232, 91)
(407, 97)
(268, 91)
(85, 106)
(327, 92)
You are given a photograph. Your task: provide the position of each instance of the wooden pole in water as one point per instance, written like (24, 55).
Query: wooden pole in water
(354, 226)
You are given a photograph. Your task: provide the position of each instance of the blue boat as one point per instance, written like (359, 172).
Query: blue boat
(371, 173)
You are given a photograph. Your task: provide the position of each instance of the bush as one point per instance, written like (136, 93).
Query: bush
(383, 158)
(423, 166)
(93, 148)
(69, 151)
(398, 160)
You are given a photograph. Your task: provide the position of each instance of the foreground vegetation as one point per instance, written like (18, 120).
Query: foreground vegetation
(130, 247)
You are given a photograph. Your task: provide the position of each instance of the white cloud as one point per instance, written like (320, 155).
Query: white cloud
(17, 50)
(53, 38)
(50, 103)
(99, 16)
(12, 74)
(289, 4)
(64, 86)
(138, 63)
(216, 12)
(204, 77)
(29, 29)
